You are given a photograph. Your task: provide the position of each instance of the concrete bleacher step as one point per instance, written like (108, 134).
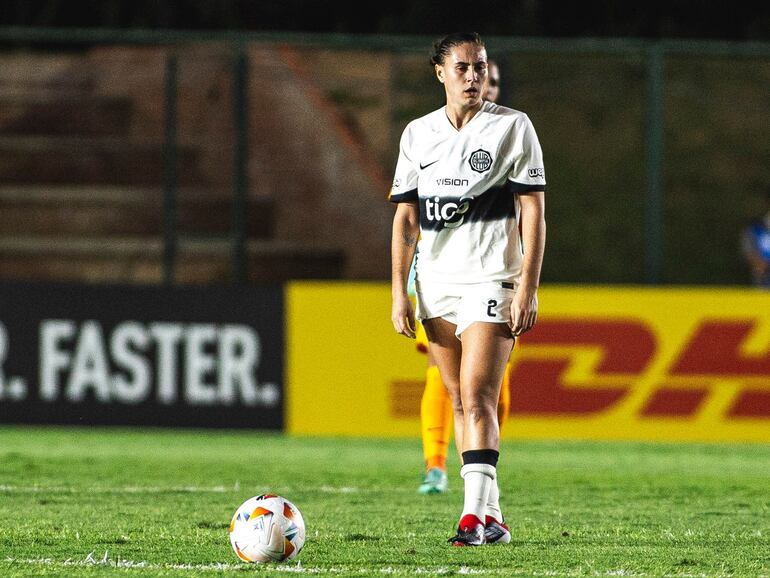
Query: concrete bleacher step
(59, 75)
(67, 160)
(120, 211)
(140, 260)
(74, 115)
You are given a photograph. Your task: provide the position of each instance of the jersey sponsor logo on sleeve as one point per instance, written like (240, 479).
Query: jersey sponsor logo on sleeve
(535, 173)
(480, 161)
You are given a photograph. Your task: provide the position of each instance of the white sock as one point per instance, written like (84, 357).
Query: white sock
(493, 502)
(479, 479)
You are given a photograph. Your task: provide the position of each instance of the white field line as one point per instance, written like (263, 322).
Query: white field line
(278, 568)
(115, 490)
(298, 568)
(13, 489)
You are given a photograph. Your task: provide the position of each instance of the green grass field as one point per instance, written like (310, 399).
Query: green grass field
(96, 502)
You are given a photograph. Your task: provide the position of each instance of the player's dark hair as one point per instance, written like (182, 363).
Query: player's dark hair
(442, 47)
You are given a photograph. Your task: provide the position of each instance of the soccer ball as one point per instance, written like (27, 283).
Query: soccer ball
(267, 528)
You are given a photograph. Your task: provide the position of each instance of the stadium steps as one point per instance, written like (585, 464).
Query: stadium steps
(114, 211)
(29, 75)
(73, 115)
(104, 160)
(82, 168)
(139, 259)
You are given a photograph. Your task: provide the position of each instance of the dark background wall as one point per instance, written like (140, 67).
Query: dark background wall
(652, 19)
(364, 75)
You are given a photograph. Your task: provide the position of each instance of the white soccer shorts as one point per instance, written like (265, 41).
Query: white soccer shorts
(464, 303)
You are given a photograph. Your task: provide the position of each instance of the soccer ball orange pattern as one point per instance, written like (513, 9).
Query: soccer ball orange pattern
(267, 528)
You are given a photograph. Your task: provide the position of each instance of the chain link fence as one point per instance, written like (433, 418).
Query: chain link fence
(656, 152)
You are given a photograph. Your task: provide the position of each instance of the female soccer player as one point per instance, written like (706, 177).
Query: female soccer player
(436, 416)
(470, 184)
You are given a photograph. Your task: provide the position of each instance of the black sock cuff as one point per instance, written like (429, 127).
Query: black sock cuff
(481, 457)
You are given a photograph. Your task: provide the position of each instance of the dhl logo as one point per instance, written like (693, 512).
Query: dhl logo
(586, 367)
(590, 366)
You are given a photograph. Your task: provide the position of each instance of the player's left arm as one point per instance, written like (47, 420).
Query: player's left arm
(528, 178)
(532, 219)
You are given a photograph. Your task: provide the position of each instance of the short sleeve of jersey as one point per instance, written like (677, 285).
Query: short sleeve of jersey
(404, 188)
(528, 172)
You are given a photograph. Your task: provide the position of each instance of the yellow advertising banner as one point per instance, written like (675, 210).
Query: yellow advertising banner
(602, 363)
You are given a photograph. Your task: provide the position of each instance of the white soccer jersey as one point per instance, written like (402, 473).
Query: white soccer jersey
(467, 183)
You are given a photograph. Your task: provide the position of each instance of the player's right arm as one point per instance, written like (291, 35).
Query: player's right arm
(406, 231)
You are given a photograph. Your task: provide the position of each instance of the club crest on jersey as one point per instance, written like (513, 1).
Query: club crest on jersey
(480, 161)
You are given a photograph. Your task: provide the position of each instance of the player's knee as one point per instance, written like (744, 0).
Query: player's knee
(479, 411)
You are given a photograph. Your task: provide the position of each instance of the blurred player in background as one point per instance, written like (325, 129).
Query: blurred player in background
(755, 245)
(491, 90)
(470, 186)
(436, 407)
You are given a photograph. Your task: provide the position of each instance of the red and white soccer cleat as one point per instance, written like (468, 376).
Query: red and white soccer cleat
(470, 532)
(496, 532)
